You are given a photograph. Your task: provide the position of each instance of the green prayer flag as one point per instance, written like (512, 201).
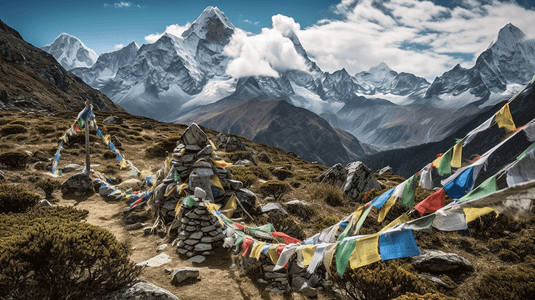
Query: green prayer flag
(523, 154)
(532, 80)
(189, 201)
(265, 228)
(362, 219)
(343, 252)
(445, 163)
(407, 197)
(423, 223)
(488, 186)
(239, 240)
(80, 123)
(346, 231)
(176, 176)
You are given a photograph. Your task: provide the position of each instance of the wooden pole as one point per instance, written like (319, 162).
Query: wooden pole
(87, 161)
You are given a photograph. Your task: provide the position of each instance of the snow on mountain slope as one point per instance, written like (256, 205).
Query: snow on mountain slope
(70, 52)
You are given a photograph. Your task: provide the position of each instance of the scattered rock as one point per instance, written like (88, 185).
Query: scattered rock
(247, 198)
(386, 171)
(335, 175)
(275, 209)
(141, 290)
(116, 141)
(243, 162)
(180, 275)
(78, 184)
(439, 261)
(234, 144)
(134, 184)
(70, 168)
(40, 165)
(147, 125)
(301, 285)
(197, 259)
(113, 120)
(264, 157)
(40, 155)
(359, 179)
(161, 247)
(156, 261)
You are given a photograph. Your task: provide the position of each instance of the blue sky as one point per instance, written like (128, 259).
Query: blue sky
(424, 37)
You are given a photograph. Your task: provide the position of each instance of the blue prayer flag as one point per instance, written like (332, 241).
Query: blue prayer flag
(99, 133)
(119, 157)
(381, 200)
(112, 146)
(397, 244)
(461, 185)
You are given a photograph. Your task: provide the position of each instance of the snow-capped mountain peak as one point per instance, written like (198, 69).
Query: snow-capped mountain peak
(70, 52)
(506, 39)
(380, 72)
(211, 23)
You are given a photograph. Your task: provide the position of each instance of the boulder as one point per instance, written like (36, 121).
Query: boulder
(386, 171)
(335, 175)
(70, 168)
(264, 157)
(180, 275)
(194, 135)
(40, 155)
(221, 141)
(116, 141)
(234, 144)
(197, 259)
(247, 199)
(113, 120)
(78, 184)
(156, 261)
(243, 162)
(439, 261)
(275, 209)
(141, 290)
(134, 184)
(359, 179)
(147, 125)
(302, 286)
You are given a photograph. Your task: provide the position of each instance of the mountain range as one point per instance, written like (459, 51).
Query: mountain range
(184, 79)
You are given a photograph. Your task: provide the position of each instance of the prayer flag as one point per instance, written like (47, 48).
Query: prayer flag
(343, 252)
(246, 245)
(432, 203)
(317, 258)
(354, 218)
(459, 186)
(230, 207)
(472, 213)
(423, 223)
(366, 252)
(379, 201)
(401, 219)
(407, 198)
(272, 254)
(488, 186)
(257, 249)
(449, 220)
(362, 219)
(76, 129)
(505, 120)
(287, 239)
(457, 156)
(426, 179)
(397, 244)
(445, 163)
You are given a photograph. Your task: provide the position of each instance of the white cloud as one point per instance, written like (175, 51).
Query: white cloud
(414, 36)
(263, 54)
(119, 46)
(122, 4)
(174, 29)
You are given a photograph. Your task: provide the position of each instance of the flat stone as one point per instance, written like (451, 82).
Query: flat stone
(113, 120)
(78, 183)
(44, 202)
(268, 268)
(201, 247)
(169, 205)
(180, 244)
(180, 275)
(263, 235)
(190, 254)
(191, 242)
(190, 248)
(161, 247)
(182, 251)
(235, 184)
(386, 171)
(193, 148)
(156, 261)
(196, 235)
(140, 289)
(213, 233)
(208, 228)
(208, 239)
(200, 211)
(271, 275)
(192, 215)
(439, 261)
(194, 135)
(274, 208)
(191, 228)
(205, 223)
(197, 259)
(206, 253)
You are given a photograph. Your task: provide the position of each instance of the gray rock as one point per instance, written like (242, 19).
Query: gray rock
(141, 290)
(359, 179)
(435, 280)
(116, 141)
(44, 202)
(78, 184)
(134, 184)
(234, 144)
(105, 190)
(264, 157)
(275, 209)
(194, 136)
(156, 261)
(40, 155)
(247, 198)
(191, 242)
(201, 247)
(269, 199)
(161, 248)
(439, 261)
(243, 162)
(147, 125)
(40, 165)
(70, 168)
(113, 120)
(169, 205)
(193, 147)
(335, 175)
(301, 285)
(208, 228)
(191, 228)
(235, 184)
(180, 275)
(207, 150)
(272, 275)
(200, 193)
(263, 235)
(196, 235)
(197, 259)
(199, 179)
(386, 171)
(182, 251)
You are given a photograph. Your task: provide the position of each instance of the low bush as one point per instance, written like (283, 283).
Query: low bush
(305, 212)
(507, 283)
(275, 188)
(16, 199)
(428, 296)
(156, 151)
(14, 159)
(48, 186)
(331, 194)
(44, 129)
(12, 129)
(327, 222)
(282, 174)
(380, 281)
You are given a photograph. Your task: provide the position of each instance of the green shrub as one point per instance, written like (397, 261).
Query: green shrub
(63, 260)
(282, 174)
(156, 151)
(13, 129)
(44, 129)
(48, 186)
(14, 159)
(380, 281)
(109, 154)
(247, 179)
(16, 199)
(274, 188)
(331, 194)
(507, 283)
(305, 212)
(327, 222)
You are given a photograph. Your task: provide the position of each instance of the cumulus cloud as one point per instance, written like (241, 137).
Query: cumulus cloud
(118, 46)
(416, 36)
(174, 29)
(264, 54)
(122, 4)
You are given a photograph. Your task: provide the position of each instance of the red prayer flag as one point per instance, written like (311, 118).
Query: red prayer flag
(76, 128)
(287, 239)
(239, 226)
(246, 245)
(432, 203)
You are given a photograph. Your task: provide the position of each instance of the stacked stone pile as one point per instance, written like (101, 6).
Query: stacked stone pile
(195, 162)
(199, 231)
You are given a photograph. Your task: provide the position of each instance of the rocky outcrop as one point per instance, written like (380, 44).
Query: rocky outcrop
(355, 178)
(141, 290)
(439, 261)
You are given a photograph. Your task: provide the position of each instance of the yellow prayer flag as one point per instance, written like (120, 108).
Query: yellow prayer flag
(217, 183)
(107, 139)
(221, 163)
(182, 152)
(181, 188)
(308, 253)
(123, 163)
(472, 213)
(229, 207)
(366, 251)
(212, 144)
(328, 256)
(505, 120)
(272, 253)
(401, 219)
(170, 192)
(256, 250)
(386, 208)
(436, 162)
(456, 158)
(211, 207)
